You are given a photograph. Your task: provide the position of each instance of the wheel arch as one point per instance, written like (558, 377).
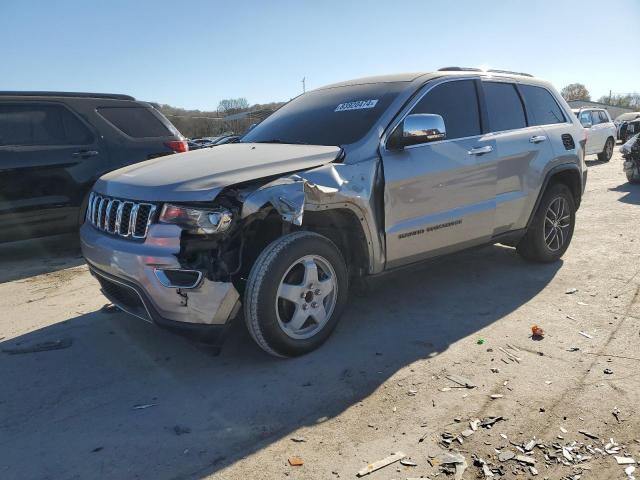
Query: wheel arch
(567, 174)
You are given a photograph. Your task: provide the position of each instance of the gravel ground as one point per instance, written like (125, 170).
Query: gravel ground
(378, 386)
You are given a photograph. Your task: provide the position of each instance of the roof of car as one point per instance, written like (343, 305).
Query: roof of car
(111, 96)
(453, 71)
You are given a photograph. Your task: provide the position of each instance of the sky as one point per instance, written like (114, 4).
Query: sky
(192, 54)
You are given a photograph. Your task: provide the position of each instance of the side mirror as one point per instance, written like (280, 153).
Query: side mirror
(417, 129)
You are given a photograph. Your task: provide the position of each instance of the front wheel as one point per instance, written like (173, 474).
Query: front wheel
(295, 294)
(607, 151)
(551, 229)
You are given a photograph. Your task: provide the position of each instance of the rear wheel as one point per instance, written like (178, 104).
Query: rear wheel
(296, 292)
(551, 229)
(607, 152)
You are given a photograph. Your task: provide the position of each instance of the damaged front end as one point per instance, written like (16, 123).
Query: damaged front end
(190, 271)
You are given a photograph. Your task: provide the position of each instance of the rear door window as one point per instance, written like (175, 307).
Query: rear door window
(457, 103)
(40, 125)
(603, 117)
(585, 118)
(541, 106)
(136, 122)
(504, 106)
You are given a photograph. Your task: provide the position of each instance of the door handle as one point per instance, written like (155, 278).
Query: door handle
(537, 139)
(85, 153)
(481, 150)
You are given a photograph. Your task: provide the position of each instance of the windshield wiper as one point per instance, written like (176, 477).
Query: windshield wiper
(277, 140)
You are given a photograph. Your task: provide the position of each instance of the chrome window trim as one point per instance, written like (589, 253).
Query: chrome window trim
(409, 107)
(489, 78)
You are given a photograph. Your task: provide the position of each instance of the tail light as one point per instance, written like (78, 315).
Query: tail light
(178, 146)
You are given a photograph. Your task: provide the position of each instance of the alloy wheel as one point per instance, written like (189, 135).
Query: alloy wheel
(306, 297)
(557, 221)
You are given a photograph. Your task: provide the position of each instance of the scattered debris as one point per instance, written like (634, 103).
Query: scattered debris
(495, 370)
(529, 446)
(526, 459)
(490, 421)
(452, 458)
(624, 460)
(629, 471)
(372, 467)
(571, 291)
(608, 371)
(616, 414)
(408, 463)
(460, 380)
(178, 430)
(40, 347)
(296, 461)
(533, 470)
(537, 333)
(573, 349)
(298, 439)
(97, 449)
(144, 405)
(495, 396)
(474, 424)
(506, 455)
(481, 341)
(585, 334)
(588, 434)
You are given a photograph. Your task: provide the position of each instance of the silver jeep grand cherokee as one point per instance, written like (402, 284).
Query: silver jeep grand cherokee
(353, 179)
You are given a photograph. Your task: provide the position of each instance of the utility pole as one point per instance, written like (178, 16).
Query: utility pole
(609, 97)
(304, 86)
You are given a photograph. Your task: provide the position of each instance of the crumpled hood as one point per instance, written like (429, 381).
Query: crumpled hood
(201, 174)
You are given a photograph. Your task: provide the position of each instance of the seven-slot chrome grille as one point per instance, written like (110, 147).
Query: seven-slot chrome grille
(120, 217)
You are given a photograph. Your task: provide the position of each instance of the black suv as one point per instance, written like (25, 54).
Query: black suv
(54, 146)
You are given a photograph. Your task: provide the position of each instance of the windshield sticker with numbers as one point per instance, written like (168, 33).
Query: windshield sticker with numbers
(357, 105)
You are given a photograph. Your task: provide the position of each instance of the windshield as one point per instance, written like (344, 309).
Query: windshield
(333, 116)
(625, 117)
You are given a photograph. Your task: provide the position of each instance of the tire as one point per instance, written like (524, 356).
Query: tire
(283, 313)
(607, 151)
(633, 175)
(538, 244)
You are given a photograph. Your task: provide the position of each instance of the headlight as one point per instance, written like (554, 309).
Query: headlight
(196, 220)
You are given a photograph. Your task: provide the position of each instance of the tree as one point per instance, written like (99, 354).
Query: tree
(229, 105)
(630, 100)
(575, 91)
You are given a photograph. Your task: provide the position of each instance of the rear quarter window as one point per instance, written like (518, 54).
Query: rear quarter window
(136, 122)
(541, 106)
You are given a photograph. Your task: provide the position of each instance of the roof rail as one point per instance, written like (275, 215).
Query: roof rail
(471, 69)
(112, 96)
(459, 69)
(510, 72)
